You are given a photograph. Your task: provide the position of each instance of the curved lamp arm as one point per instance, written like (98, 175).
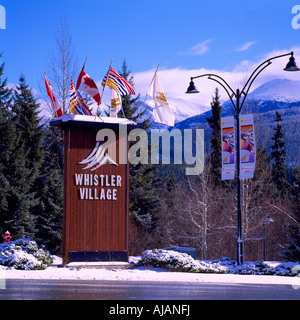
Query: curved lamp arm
(209, 75)
(248, 84)
(256, 72)
(223, 83)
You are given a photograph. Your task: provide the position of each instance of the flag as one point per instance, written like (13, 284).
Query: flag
(83, 105)
(116, 103)
(73, 98)
(247, 145)
(228, 148)
(57, 110)
(77, 104)
(117, 83)
(162, 112)
(87, 84)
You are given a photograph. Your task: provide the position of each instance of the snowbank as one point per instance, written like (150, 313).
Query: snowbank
(24, 254)
(159, 265)
(143, 273)
(290, 269)
(175, 261)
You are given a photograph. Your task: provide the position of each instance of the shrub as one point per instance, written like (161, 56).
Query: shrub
(24, 254)
(175, 261)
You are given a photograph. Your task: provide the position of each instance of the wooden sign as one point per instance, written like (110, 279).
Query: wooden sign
(96, 191)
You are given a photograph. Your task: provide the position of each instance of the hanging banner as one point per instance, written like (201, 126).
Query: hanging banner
(248, 149)
(228, 152)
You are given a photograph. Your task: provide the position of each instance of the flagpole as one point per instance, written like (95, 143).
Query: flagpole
(104, 85)
(46, 75)
(107, 77)
(85, 60)
(72, 80)
(69, 109)
(148, 89)
(47, 93)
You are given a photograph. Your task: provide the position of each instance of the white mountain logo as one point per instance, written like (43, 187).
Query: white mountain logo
(97, 158)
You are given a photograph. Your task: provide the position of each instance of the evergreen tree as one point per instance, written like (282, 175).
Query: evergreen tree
(26, 117)
(215, 123)
(145, 201)
(19, 218)
(31, 182)
(27, 162)
(17, 197)
(49, 186)
(44, 159)
(292, 250)
(5, 124)
(295, 194)
(7, 146)
(278, 156)
(132, 106)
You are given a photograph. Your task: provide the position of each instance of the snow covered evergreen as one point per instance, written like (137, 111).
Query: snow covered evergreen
(24, 254)
(182, 262)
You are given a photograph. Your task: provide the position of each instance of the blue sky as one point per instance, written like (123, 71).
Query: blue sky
(189, 35)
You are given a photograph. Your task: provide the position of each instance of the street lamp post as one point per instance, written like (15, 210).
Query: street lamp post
(266, 220)
(240, 97)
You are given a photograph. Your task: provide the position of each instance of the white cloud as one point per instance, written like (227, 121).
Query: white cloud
(198, 49)
(246, 46)
(175, 81)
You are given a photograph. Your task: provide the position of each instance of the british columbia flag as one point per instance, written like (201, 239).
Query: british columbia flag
(77, 104)
(118, 83)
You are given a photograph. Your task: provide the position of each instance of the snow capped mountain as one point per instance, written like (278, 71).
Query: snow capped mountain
(275, 94)
(182, 109)
(272, 95)
(282, 90)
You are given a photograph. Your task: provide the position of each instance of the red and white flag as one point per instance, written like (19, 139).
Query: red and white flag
(87, 84)
(56, 108)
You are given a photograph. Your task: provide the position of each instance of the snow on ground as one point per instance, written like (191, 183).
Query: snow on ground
(23, 259)
(141, 273)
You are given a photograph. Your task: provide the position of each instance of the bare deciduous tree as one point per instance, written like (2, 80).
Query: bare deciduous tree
(62, 66)
(192, 216)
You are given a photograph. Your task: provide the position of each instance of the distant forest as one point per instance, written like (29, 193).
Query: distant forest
(264, 122)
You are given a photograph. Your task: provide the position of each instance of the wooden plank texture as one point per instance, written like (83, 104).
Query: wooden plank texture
(93, 224)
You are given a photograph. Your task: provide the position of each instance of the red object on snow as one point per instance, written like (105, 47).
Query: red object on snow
(7, 236)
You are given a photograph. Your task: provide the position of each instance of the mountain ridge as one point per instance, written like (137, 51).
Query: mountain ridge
(263, 103)
(275, 94)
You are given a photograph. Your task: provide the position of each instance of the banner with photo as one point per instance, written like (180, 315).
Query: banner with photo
(248, 149)
(228, 151)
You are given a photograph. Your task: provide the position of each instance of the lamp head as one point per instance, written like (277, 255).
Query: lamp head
(291, 65)
(192, 88)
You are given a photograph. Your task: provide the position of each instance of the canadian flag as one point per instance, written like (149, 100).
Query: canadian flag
(87, 84)
(56, 108)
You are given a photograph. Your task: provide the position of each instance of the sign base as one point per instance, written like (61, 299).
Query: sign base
(95, 256)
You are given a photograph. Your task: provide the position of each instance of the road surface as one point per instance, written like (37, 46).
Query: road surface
(115, 290)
